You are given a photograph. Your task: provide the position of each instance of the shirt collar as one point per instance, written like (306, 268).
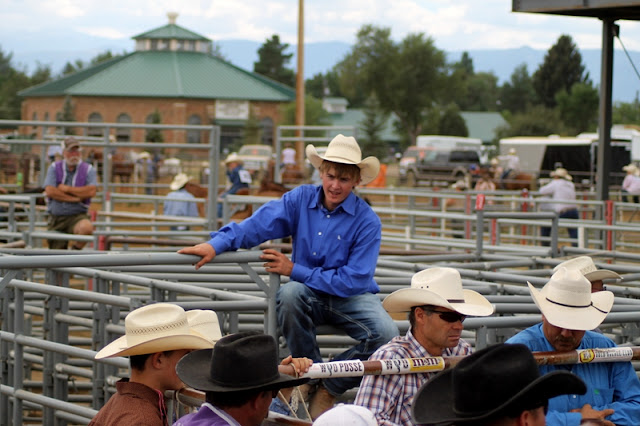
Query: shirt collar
(348, 205)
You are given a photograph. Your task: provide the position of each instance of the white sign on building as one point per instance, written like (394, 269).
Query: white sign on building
(232, 110)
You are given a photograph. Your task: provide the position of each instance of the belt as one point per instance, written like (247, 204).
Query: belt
(567, 210)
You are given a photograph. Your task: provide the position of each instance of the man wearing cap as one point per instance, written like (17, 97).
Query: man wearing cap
(156, 337)
(239, 177)
(561, 189)
(437, 305)
(336, 240)
(180, 201)
(239, 377)
(496, 386)
(69, 185)
(569, 310)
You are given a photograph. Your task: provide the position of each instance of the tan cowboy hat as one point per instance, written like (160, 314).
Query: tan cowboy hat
(438, 287)
(561, 173)
(144, 155)
(585, 265)
(566, 301)
(345, 150)
(512, 151)
(459, 185)
(157, 328)
(205, 323)
(179, 181)
(233, 158)
(630, 168)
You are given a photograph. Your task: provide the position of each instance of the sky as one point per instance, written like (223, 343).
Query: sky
(28, 26)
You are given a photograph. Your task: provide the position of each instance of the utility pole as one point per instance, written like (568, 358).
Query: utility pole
(300, 84)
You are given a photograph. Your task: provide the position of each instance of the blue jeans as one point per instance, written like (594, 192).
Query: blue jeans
(300, 309)
(545, 231)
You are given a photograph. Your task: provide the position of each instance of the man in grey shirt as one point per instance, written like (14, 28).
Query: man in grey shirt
(69, 186)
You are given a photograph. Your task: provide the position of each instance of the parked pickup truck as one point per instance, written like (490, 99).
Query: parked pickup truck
(440, 166)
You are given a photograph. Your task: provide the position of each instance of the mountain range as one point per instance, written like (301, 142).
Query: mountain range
(322, 56)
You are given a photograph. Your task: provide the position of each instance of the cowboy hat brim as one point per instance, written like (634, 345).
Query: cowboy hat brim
(433, 403)
(602, 274)
(369, 167)
(573, 318)
(404, 299)
(194, 366)
(119, 346)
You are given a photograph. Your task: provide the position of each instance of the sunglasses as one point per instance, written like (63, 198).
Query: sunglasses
(446, 316)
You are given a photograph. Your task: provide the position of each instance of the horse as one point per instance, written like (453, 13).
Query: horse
(519, 180)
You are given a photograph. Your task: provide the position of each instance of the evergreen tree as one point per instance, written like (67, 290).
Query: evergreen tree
(561, 69)
(273, 61)
(578, 108)
(372, 127)
(517, 94)
(154, 135)
(626, 113)
(67, 114)
(451, 122)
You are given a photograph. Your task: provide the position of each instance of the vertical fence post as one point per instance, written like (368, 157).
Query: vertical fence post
(524, 208)
(479, 224)
(609, 219)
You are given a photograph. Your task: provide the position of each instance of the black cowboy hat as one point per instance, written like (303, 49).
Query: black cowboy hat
(238, 362)
(489, 383)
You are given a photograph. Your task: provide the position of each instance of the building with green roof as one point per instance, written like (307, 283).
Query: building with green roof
(172, 71)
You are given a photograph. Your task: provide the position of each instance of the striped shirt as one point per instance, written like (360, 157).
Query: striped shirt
(390, 397)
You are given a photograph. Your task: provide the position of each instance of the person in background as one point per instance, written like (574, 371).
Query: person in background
(156, 337)
(631, 183)
(179, 201)
(69, 185)
(457, 205)
(561, 188)
(336, 239)
(512, 163)
(288, 156)
(585, 265)
(436, 305)
(239, 377)
(497, 386)
(346, 415)
(239, 177)
(569, 310)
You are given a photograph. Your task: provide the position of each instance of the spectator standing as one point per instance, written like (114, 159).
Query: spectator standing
(180, 201)
(436, 305)
(288, 156)
(336, 239)
(561, 189)
(569, 310)
(631, 183)
(69, 185)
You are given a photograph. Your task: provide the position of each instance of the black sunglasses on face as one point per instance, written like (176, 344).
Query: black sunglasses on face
(447, 316)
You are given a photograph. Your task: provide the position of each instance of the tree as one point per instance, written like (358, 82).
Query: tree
(105, 56)
(561, 69)
(407, 78)
(372, 127)
(451, 122)
(67, 114)
(314, 114)
(482, 93)
(517, 94)
(579, 108)
(11, 82)
(272, 61)
(535, 121)
(626, 113)
(154, 135)
(323, 85)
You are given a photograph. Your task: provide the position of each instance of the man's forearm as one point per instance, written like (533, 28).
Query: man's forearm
(86, 191)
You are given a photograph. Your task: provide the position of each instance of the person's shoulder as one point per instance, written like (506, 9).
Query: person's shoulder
(398, 347)
(592, 339)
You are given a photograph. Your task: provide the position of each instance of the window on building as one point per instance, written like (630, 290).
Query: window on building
(194, 136)
(95, 117)
(266, 130)
(189, 45)
(230, 137)
(123, 134)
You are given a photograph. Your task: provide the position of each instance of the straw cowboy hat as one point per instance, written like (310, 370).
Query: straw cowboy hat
(438, 287)
(585, 265)
(347, 415)
(566, 301)
(561, 173)
(179, 181)
(459, 185)
(238, 362)
(631, 168)
(345, 150)
(233, 158)
(512, 151)
(157, 328)
(205, 323)
(490, 383)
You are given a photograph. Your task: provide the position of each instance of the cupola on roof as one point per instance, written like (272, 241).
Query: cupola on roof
(172, 37)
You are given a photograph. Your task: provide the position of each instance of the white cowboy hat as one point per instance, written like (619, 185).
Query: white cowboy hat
(512, 151)
(205, 323)
(438, 287)
(156, 328)
(585, 265)
(630, 168)
(179, 181)
(566, 301)
(233, 158)
(345, 150)
(459, 185)
(347, 415)
(144, 154)
(561, 173)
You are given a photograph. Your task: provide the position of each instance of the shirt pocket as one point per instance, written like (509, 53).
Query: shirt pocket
(602, 396)
(338, 252)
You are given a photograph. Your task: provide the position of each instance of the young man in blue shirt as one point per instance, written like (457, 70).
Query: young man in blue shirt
(569, 311)
(336, 240)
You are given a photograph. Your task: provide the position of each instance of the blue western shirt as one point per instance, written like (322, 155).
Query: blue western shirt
(333, 251)
(180, 208)
(609, 384)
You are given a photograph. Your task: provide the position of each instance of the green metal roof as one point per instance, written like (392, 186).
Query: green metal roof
(167, 74)
(171, 31)
(356, 117)
(483, 125)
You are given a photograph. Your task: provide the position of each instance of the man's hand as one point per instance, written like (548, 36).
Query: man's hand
(204, 250)
(277, 262)
(300, 365)
(588, 412)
